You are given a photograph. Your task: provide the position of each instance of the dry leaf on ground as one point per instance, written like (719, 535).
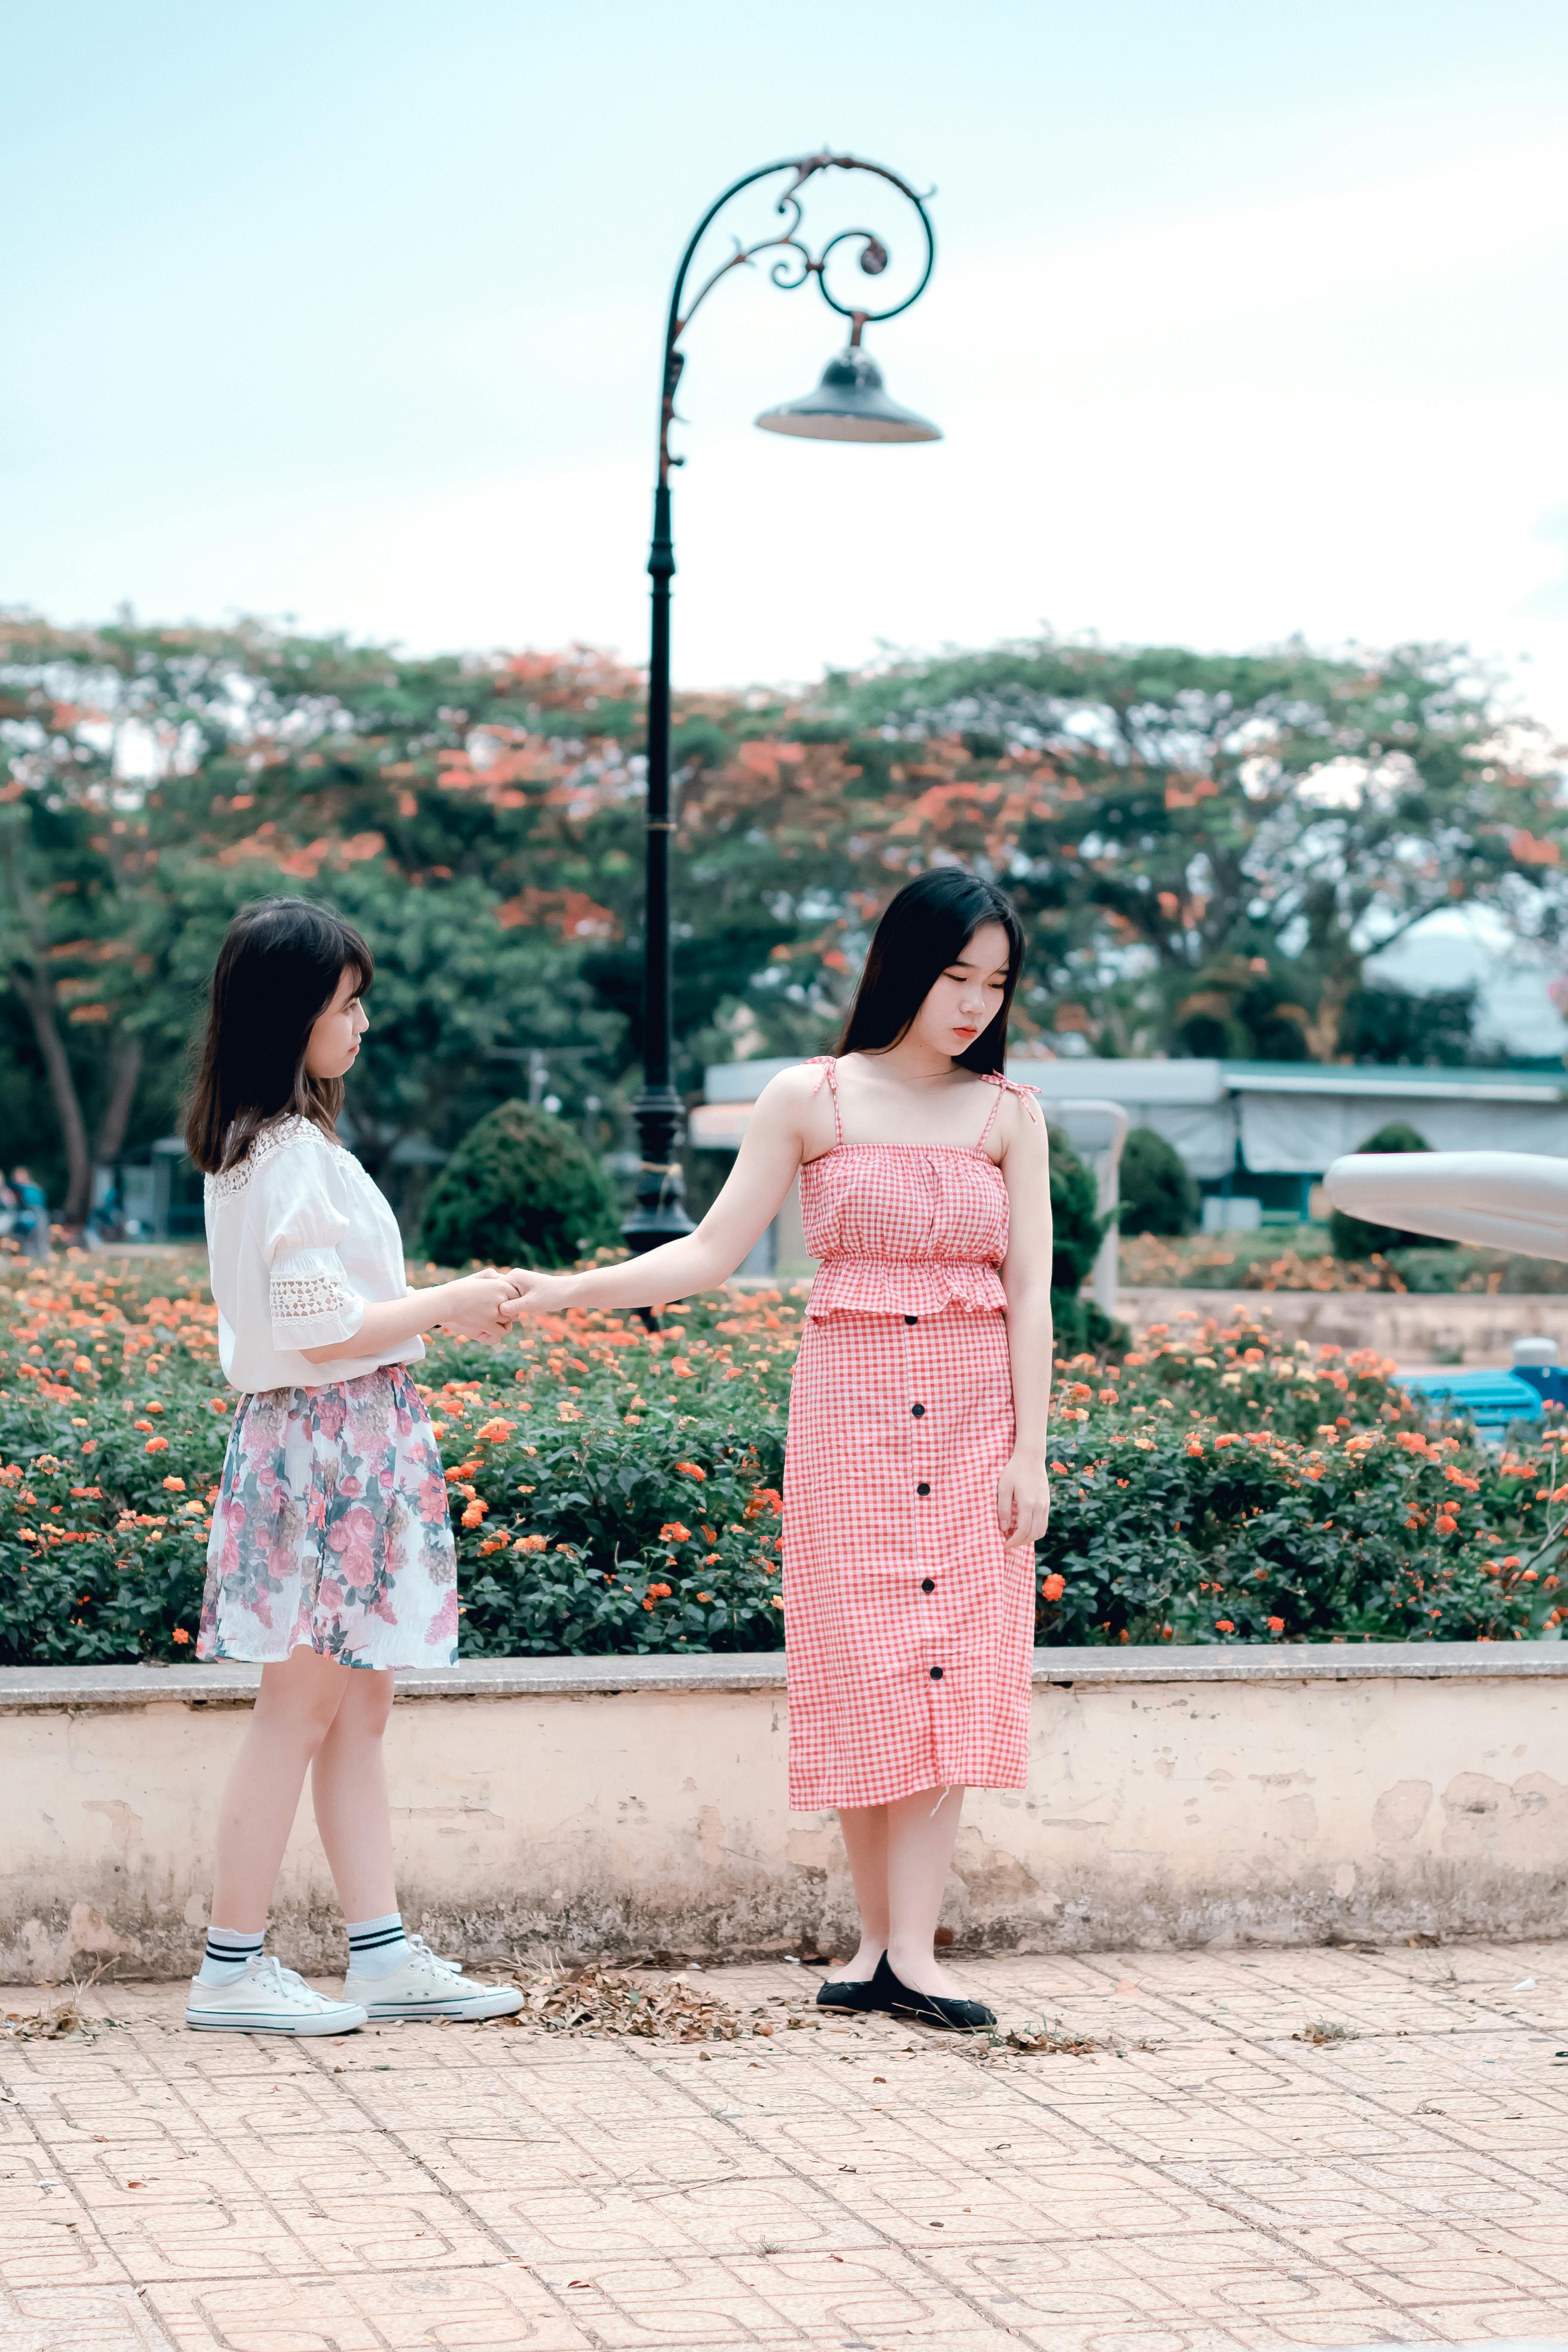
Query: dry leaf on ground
(598, 2000)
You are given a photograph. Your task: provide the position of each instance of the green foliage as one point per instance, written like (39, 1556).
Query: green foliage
(1078, 1230)
(479, 817)
(1432, 1029)
(1124, 770)
(1353, 1237)
(617, 1490)
(519, 1190)
(1158, 1195)
(1228, 1488)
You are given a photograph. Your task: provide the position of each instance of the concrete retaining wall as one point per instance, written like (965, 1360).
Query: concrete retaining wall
(1176, 1797)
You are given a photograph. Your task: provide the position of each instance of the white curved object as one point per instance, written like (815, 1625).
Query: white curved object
(1499, 1200)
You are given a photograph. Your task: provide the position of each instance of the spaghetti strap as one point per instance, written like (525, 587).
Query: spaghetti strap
(830, 1072)
(1003, 1087)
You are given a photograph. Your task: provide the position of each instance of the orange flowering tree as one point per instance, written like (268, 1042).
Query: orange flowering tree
(1204, 850)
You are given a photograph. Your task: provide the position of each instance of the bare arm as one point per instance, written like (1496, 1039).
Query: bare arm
(766, 1165)
(1023, 1498)
(468, 1307)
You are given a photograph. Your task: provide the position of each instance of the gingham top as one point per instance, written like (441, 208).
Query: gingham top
(906, 1228)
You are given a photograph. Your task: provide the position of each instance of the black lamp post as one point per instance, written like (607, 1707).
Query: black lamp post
(848, 404)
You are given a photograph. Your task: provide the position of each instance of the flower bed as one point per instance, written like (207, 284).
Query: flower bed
(617, 1491)
(1300, 1258)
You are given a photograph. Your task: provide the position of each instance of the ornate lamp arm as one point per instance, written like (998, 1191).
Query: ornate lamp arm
(786, 241)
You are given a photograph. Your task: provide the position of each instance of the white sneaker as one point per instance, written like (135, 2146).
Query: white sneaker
(268, 1999)
(426, 1986)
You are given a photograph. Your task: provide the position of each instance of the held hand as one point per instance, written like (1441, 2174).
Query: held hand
(473, 1303)
(1023, 1501)
(535, 1294)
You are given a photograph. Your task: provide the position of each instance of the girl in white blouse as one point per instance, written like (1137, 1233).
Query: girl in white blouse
(331, 1562)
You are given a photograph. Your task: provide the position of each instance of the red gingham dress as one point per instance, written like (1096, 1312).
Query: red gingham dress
(909, 1624)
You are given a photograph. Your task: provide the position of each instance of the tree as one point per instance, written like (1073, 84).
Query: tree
(1427, 1028)
(1204, 849)
(1222, 837)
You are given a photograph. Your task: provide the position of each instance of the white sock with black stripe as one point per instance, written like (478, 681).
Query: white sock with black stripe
(376, 1946)
(228, 1954)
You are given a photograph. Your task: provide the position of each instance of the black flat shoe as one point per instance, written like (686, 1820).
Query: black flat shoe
(848, 1994)
(927, 2008)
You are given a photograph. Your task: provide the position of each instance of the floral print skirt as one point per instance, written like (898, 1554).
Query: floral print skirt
(333, 1530)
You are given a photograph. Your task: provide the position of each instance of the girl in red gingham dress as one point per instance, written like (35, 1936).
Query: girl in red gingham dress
(915, 1485)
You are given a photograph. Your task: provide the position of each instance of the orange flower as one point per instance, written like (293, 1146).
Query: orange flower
(1054, 1586)
(529, 1543)
(180, 1635)
(474, 1515)
(1276, 1624)
(692, 1470)
(673, 1532)
(1223, 1625)
(156, 1446)
(705, 1596)
(175, 1486)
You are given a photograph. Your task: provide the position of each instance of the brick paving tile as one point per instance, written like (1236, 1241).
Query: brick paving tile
(78, 2319)
(1212, 2180)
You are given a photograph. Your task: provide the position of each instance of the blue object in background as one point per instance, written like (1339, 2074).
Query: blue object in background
(1494, 1400)
(1550, 1381)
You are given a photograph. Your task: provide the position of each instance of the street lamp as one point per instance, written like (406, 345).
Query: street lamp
(849, 404)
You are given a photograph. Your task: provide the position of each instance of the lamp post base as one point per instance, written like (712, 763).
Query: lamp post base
(660, 1212)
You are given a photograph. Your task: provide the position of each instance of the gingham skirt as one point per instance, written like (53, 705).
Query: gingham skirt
(909, 1624)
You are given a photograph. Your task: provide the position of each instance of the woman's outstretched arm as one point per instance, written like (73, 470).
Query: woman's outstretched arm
(766, 1165)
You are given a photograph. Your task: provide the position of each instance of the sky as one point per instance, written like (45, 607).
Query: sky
(1247, 319)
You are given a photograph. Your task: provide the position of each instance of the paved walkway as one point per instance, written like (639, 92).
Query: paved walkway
(1212, 2180)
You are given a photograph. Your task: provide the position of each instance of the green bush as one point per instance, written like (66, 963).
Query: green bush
(519, 1190)
(615, 1490)
(1078, 1230)
(1353, 1237)
(1158, 1195)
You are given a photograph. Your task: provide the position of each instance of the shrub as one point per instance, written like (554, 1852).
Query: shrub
(1078, 1230)
(615, 1490)
(519, 1190)
(1353, 1237)
(1158, 1195)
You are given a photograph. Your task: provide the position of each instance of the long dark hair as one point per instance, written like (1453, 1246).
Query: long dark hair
(922, 931)
(278, 970)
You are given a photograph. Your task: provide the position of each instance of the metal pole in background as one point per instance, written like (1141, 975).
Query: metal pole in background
(851, 405)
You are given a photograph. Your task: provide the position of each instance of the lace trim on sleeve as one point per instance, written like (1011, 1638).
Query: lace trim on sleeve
(312, 1309)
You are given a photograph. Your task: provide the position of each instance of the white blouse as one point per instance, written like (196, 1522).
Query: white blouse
(299, 1238)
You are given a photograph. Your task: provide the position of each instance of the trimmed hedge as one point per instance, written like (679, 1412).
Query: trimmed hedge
(615, 1490)
(1158, 1195)
(519, 1190)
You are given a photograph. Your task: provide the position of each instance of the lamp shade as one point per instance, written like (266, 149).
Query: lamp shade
(848, 404)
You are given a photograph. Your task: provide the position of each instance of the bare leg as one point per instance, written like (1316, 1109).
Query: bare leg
(293, 1715)
(920, 1830)
(865, 1829)
(348, 1788)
